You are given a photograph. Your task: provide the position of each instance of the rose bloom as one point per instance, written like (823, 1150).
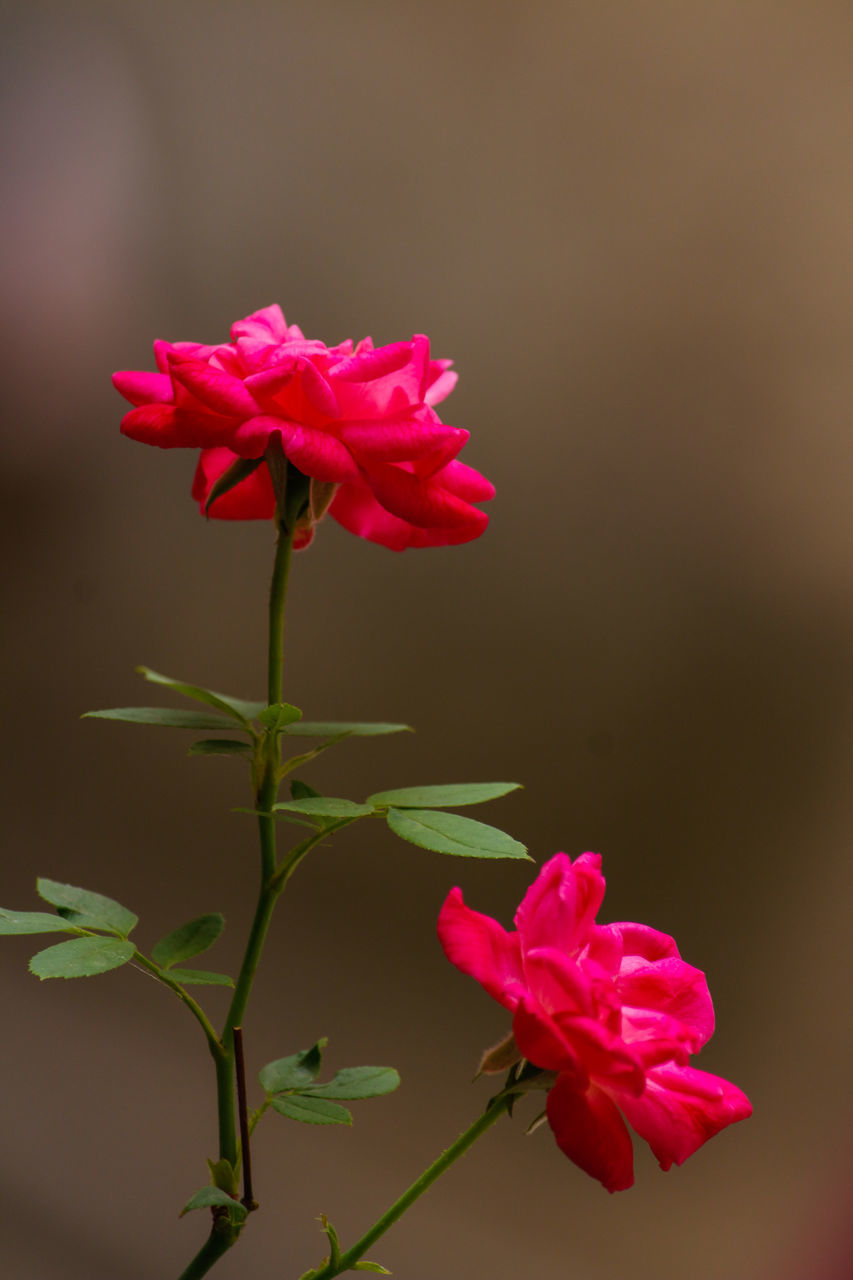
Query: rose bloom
(358, 421)
(612, 1009)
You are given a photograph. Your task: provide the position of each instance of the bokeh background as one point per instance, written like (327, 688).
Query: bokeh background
(630, 225)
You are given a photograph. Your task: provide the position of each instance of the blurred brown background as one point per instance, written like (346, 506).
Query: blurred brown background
(630, 225)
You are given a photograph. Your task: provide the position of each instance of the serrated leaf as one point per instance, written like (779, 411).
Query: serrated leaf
(19, 922)
(450, 833)
(294, 1071)
(86, 909)
(337, 728)
(82, 957)
(210, 1198)
(324, 807)
(297, 1106)
(352, 1083)
(165, 717)
(200, 978)
(442, 797)
(239, 470)
(300, 790)
(197, 693)
(279, 715)
(371, 1266)
(219, 747)
(189, 940)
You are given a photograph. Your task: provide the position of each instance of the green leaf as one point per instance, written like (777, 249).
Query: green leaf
(82, 957)
(357, 728)
(324, 807)
(223, 1175)
(278, 716)
(295, 1071)
(200, 977)
(371, 1266)
(300, 790)
(296, 1106)
(443, 797)
(352, 1083)
(211, 1197)
(197, 693)
(166, 717)
(86, 909)
(239, 470)
(189, 940)
(219, 747)
(449, 833)
(334, 1243)
(33, 922)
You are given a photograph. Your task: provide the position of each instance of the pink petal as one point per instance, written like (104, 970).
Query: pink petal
(383, 382)
(440, 381)
(216, 389)
(140, 387)
(672, 987)
(401, 439)
(466, 483)
(355, 508)
(557, 982)
(641, 940)
(559, 908)
(155, 424)
(591, 1132)
(478, 946)
(422, 502)
(542, 1042)
(252, 499)
(267, 325)
(681, 1109)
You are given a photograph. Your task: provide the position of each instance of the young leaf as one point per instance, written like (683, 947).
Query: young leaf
(448, 833)
(210, 1197)
(200, 977)
(197, 693)
(324, 807)
(337, 728)
(296, 1106)
(352, 1083)
(219, 747)
(300, 790)
(189, 940)
(82, 957)
(223, 1175)
(371, 1266)
(86, 909)
(163, 716)
(443, 797)
(334, 1243)
(33, 922)
(293, 1072)
(278, 716)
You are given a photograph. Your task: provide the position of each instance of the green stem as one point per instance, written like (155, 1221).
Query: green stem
(347, 1260)
(266, 794)
(223, 1234)
(162, 975)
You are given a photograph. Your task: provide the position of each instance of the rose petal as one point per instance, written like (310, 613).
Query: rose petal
(422, 502)
(478, 946)
(681, 1109)
(590, 1131)
(402, 439)
(672, 987)
(559, 908)
(140, 387)
(216, 389)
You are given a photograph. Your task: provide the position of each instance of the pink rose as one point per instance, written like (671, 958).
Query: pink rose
(612, 1010)
(359, 422)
